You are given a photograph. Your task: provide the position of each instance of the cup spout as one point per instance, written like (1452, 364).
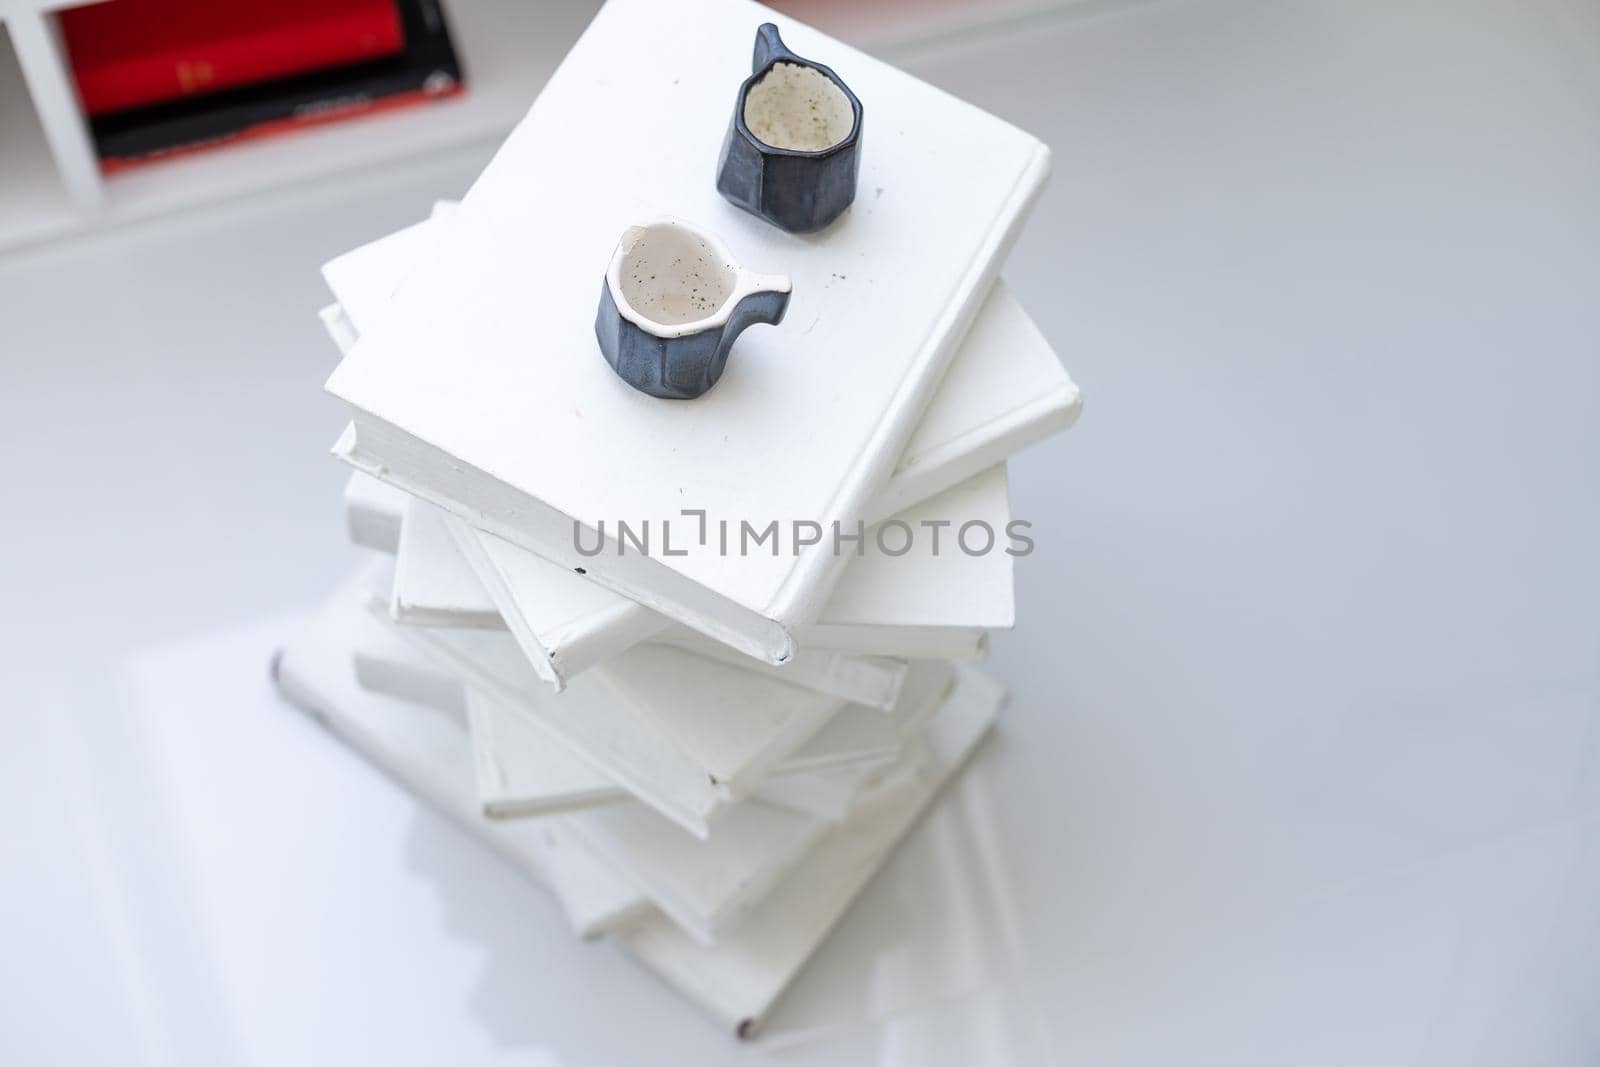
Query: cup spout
(769, 46)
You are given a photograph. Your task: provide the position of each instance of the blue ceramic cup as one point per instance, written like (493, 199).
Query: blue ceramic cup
(793, 149)
(672, 304)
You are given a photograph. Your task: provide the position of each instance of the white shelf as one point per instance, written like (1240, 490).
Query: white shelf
(34, 202)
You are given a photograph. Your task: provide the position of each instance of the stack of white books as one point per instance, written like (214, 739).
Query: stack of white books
(696, 666)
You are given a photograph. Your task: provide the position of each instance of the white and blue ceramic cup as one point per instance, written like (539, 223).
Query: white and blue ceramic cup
(672, 305)
(793, 148)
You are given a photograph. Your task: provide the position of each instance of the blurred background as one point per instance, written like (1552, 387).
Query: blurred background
(1302, 763)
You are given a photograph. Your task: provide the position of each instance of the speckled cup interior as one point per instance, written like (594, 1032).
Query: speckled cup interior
(797, 108)
(670, 275)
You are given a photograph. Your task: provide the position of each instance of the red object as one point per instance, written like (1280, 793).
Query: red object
(127, 53)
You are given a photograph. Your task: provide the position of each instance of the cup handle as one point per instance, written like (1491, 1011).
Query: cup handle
(752, 282)
(769, 47)
(768, 305)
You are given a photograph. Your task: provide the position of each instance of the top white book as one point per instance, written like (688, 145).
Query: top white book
(485, 390)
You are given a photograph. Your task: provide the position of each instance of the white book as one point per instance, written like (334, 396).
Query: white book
(364, 279)
(919, 605)
(685, 735)
(386, 663)
(566, 624)
(433, 585)
(741, 977)
(736, 981)
(705, 887)
(374, 511)
(576, 624)
(847, 749)
(1005, 389)
(719, 733)
(373, 516)
(483, 389)
(588, 623)
(828, 793)
(428, 752)
(521, 771)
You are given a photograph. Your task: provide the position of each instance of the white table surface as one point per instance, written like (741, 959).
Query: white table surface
(1302, 765)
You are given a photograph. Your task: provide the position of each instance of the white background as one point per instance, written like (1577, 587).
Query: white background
(1302, 762)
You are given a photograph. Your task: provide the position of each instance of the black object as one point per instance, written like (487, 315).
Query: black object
(809, 183)
(426, 67)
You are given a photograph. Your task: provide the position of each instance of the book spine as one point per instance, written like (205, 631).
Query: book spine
(984, 447)
(263, 55)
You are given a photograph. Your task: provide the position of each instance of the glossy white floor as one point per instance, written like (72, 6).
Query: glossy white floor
(1302, 763)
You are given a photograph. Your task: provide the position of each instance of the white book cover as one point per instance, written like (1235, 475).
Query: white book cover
(386, 511)
(215, 737)
(566, 624)
(374, 511)
(483, 390)
(434, 573)
(1005, 389)
(828, 793)
(432, 585)
(429, 753)
(741, 977)
(373, 519)
(859, 736)
(686, 735)
(705, 887)
(737, 980)
(364, 279)
(388, 664)
(523, 771)
(935, 601)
